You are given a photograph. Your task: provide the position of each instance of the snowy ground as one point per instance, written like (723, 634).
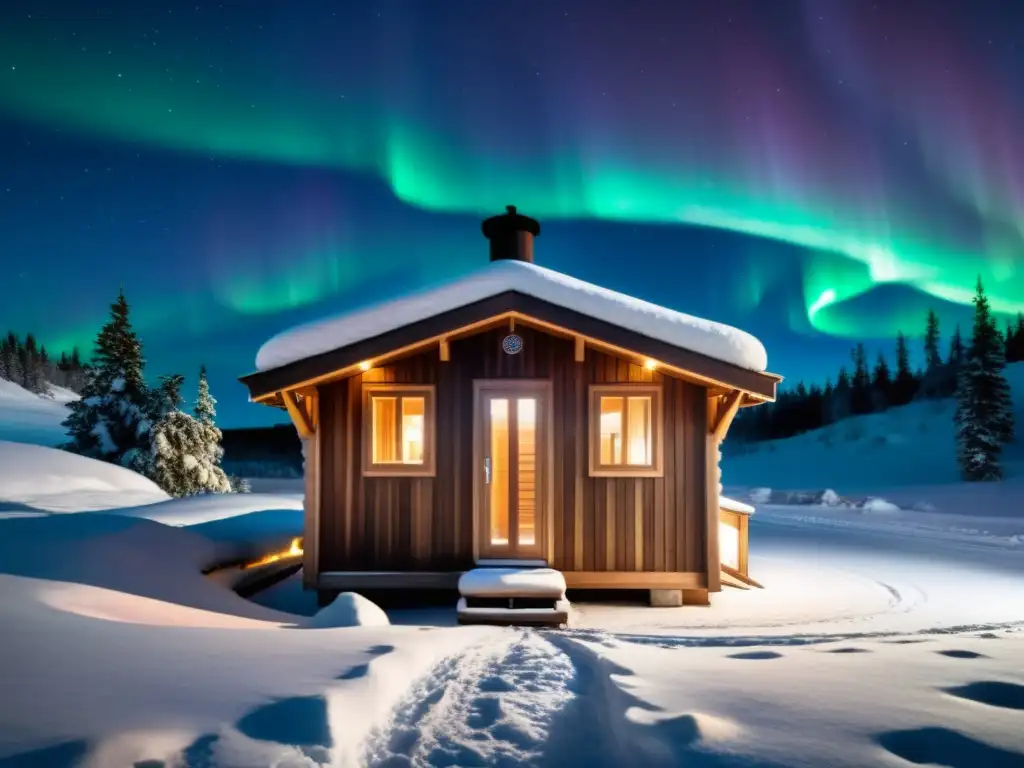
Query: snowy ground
(884, 638)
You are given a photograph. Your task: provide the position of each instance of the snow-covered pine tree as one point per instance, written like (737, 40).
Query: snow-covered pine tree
(7, 354)
(984, 416)
(167, 396)
(186, 453)
(111, 420)
(180, 457)
(206, 405)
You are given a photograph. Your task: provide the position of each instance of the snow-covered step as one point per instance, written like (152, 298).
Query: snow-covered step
(512, 596)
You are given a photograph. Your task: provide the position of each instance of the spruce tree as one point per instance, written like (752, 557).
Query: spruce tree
(905, 384)
(932, 358)
(206, 406)
(111, 420)
(881, 384)
(186, 450)
(860, 384)
(7, 355)
(181, 460)
(984, 416)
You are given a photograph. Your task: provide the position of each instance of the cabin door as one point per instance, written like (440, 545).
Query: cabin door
(512, 469)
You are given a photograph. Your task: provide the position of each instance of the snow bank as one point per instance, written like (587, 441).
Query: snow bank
(34, 478)
(715, 340)
(25, 417)
(349, 610)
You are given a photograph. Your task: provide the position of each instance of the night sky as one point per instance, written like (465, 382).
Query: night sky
(813, 172)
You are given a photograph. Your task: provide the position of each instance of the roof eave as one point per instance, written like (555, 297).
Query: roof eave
(317, 368)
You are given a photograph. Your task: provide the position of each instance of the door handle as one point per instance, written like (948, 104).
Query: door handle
(487, 470)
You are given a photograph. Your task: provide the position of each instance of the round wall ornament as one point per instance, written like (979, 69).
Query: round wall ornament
(512, 344)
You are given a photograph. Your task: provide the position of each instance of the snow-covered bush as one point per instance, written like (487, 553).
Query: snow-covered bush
(874, 504)
(183, 459)
(829, 498)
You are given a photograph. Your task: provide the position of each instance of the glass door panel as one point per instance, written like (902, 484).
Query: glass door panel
(513, 471)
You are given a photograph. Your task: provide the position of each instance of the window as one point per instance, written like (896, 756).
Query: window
(625, 430)
(398, 430)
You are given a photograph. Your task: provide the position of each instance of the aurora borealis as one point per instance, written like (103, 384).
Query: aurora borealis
(815, 172)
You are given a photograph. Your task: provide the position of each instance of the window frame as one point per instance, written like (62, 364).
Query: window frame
(625, 390)
(399, 391)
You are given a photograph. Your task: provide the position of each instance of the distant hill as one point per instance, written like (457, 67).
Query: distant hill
(909, 445)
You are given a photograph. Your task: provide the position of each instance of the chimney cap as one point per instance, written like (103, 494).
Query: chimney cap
(509, 222)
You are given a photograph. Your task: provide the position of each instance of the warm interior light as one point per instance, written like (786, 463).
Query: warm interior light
(295, 550)
(650, 365)
(365, 365)
(729, 545)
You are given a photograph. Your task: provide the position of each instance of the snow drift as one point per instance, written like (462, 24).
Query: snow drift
(35, 478)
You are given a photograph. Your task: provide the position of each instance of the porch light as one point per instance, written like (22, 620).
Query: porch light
(365, 365)
(650, 365)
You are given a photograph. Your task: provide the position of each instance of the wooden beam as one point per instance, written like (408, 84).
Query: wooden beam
(634, 580)
(581, 346)
(446, 352)
(298, 414)
(388, 579)
(726, 414)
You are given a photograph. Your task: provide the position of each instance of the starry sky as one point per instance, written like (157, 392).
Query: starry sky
(818, 173)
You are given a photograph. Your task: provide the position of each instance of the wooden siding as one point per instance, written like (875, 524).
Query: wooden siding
(600, 524)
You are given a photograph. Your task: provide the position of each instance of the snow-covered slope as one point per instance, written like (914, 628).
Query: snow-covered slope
(28, 418)
(913, 445)
(34, 478)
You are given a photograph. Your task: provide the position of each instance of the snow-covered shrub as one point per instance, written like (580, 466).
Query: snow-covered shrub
(874, 504)
(829, 498)
(239, 484)
(183, 460)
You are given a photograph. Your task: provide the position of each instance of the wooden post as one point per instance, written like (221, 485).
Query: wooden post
(581, 346)
(711, 497)
(446, 353)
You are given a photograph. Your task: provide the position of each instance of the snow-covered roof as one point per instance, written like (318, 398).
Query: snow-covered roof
(715, 340)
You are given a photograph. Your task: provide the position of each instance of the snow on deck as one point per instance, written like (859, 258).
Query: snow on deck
(735, 506)
(716, 340)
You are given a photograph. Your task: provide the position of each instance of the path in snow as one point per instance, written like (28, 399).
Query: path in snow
(493, 704)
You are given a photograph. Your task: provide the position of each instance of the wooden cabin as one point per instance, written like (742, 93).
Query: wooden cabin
(514, 416)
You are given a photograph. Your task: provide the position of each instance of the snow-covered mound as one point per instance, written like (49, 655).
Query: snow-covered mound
(25, 417)
(349, 610)
(716, 340)
(118, 651)
(914, 444)
(34, 478)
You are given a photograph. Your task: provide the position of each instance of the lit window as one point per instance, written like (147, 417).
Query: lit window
(398, 429)
(625, 423)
